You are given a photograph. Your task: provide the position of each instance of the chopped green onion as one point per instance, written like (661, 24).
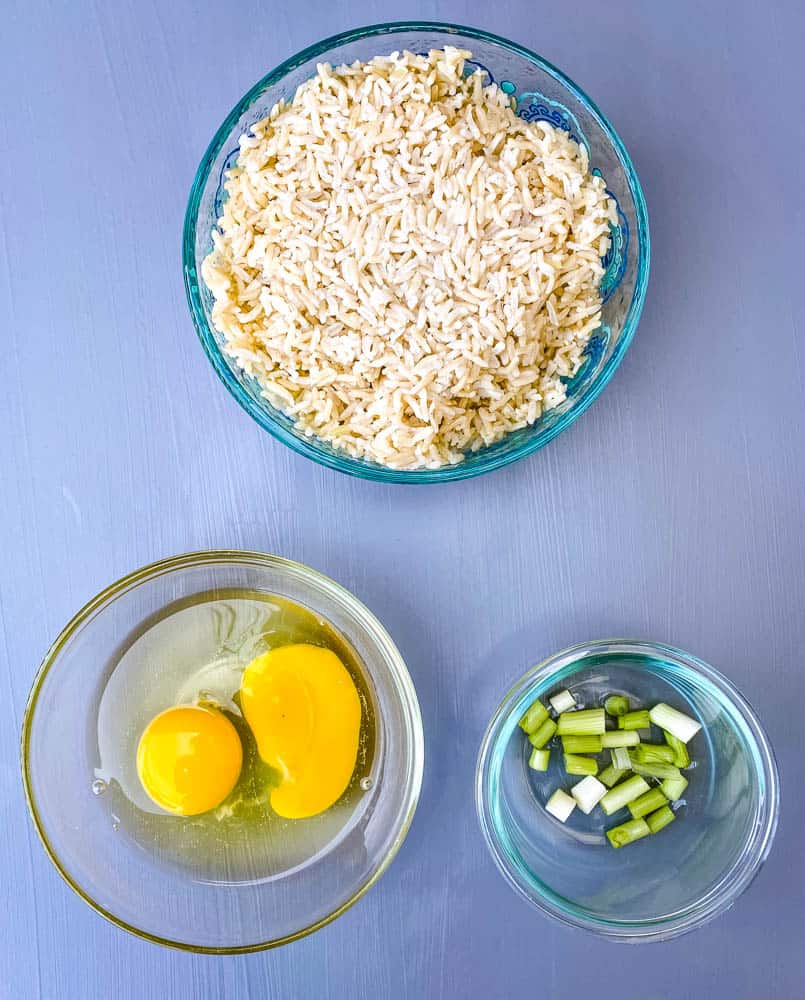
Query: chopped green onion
(652, 753)
(583, 733)
(674, 788)
(660, 771)
(534, 717)
(659, 819)
(635, 720)
(681, 755)
(646, 803)
(610, 775)
(588, 793)
(574, 764)
(560, 805)
(581, 744)
(562, 702)
(539, 759)
(620, 738)
(542, 734)
(628, 833)
(590, 722)
(676, 723)
(616, 704)
(624, 793)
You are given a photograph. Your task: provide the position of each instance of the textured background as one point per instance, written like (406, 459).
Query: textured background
(673, 510)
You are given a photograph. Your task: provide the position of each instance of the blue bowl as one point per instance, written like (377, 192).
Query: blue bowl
(663, 885)
(540, 92)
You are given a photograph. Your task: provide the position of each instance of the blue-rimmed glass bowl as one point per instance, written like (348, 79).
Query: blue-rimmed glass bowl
(661, 886)
(540, 91)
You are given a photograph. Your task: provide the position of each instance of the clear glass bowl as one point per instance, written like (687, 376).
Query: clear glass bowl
(112, 871)
(661, 886)
(541, 92)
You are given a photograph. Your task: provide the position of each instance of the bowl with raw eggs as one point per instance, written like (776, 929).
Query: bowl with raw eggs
(222, 751)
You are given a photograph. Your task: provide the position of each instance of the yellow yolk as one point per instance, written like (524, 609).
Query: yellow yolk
(189, 759)
(303, 708)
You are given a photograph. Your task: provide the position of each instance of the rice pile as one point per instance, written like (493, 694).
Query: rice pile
(406, 267)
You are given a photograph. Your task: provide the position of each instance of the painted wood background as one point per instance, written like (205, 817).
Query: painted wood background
(673, 510)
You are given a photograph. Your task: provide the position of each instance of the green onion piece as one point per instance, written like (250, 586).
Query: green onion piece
(610, 775)
(562, 702)
(660, 771)
(674, 788)
(628, 833)
(620, 738)
(616, 704)
(581, 744)
(574, 764)
(659, 819)
(635, 720)
(539, 759)
(560, 805)
(588, 793)
(624, 793)
(681, 755)
(647, 803)
(534, 717)
(542, 734)
(590, 722)
(620, 758)
(676, 723)
(652, 753)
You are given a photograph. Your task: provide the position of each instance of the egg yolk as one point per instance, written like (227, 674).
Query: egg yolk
(303, 708)
(189, 759)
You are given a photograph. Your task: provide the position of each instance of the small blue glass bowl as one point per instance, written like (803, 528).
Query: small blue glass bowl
(664, 885)
(540, 92)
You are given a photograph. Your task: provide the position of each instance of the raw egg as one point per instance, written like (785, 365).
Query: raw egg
(304, 710)
(189, 759)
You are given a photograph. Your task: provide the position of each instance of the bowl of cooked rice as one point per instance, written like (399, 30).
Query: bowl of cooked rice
(415, 252)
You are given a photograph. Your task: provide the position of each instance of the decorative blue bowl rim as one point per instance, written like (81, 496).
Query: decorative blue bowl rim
(555, 669)
(476, 463)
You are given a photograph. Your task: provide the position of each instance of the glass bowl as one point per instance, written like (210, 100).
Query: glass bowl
(540, 92)
(136, 887)
(663, 885)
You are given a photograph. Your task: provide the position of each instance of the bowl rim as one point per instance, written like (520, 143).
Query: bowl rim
(729, 887)
(394, 662)
(307, 446)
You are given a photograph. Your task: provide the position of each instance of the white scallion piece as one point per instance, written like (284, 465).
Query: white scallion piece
(562, 702)
(676, 723)
(560, 805)
(620, 758)
(588, 793)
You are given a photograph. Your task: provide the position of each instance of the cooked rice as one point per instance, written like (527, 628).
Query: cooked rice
(407, 268)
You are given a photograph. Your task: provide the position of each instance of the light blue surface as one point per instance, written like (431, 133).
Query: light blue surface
(673, 510)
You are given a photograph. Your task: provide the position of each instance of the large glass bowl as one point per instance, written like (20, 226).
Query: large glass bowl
(120, 877)
(540, 91)
(663, 885)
